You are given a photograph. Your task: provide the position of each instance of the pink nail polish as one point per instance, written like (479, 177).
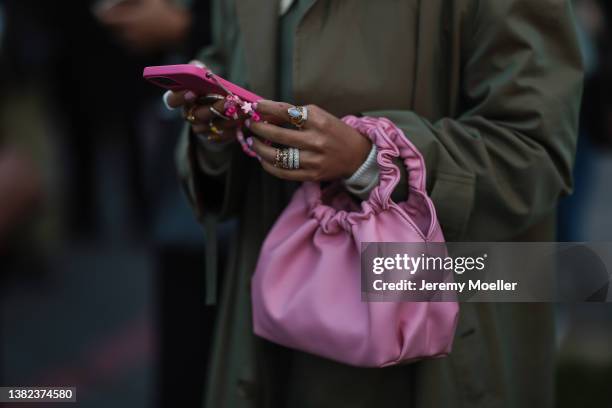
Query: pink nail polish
(190, 96)
(249, 141)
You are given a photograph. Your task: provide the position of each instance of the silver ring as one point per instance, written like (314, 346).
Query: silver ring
(217, 113)
(296, 158)
(290, 159)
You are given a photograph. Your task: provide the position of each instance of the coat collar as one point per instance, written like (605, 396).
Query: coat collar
(258, 21)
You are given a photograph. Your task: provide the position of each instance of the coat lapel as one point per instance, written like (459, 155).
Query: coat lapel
(258, 21)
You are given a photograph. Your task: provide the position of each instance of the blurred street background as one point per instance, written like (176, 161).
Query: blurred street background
(101, 259)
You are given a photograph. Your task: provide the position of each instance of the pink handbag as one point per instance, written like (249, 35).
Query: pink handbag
(306, 289)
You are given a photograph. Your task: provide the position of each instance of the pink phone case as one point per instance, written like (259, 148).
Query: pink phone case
(199, 80)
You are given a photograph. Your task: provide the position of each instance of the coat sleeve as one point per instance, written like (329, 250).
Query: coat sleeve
(501, 165)
(210, 179)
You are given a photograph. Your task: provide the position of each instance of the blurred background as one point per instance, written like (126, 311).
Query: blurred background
(101, 281)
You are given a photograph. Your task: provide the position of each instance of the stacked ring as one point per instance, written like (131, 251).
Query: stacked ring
(296, 158)
(291, 155)
(288, 158)
(277, 158)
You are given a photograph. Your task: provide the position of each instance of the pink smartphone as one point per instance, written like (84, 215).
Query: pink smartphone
(196, 79)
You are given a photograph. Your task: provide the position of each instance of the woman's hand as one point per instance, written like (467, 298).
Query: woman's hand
(199, 112)
(329, 149)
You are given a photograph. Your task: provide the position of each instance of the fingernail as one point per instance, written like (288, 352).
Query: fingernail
(247, 123)
(258, 158)
(190, 96)
(249, 141)
(255, 105)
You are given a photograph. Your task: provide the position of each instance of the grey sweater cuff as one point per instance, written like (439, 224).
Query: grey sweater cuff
(363, 181)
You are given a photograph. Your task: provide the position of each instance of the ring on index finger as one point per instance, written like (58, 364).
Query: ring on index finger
(210, 98)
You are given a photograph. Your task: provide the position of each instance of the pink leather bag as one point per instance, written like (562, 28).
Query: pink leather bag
(306, 289)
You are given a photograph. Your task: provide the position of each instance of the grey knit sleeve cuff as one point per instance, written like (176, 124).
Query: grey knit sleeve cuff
(363, 181)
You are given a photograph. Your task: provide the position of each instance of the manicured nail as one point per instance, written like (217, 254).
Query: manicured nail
(247, 123)
(190, 96)
(258, 158)
(249, 141)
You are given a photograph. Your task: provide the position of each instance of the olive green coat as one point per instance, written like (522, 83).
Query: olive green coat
(489, 91)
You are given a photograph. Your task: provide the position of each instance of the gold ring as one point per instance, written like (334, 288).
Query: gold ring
(298, 115)
(214, 129)
(283, 159)
(212, 97)
(217, 113)
(190, 117)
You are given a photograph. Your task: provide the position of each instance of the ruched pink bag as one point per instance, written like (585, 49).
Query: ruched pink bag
(306, 288)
